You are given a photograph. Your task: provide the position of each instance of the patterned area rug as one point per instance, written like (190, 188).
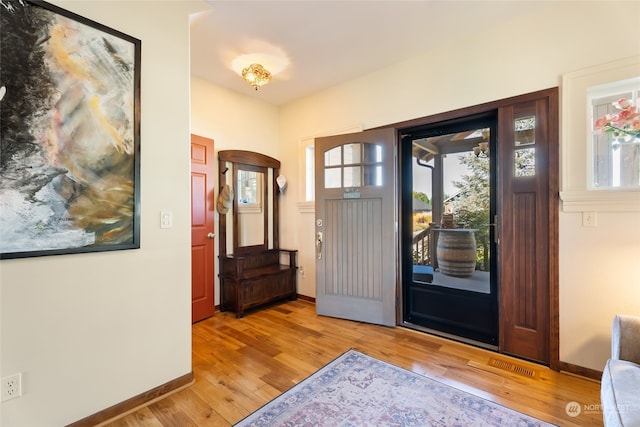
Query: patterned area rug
(358, 390)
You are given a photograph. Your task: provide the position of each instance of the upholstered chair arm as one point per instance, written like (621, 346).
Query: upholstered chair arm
(625, 338)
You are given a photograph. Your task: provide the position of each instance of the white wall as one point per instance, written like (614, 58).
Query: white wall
(600, 274)
(89, 331)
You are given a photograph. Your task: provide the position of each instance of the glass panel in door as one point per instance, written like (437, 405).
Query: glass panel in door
(449, 285)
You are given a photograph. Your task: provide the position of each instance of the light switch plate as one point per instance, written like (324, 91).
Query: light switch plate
(166, 219)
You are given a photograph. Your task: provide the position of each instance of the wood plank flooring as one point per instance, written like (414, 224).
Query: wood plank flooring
(241, 364)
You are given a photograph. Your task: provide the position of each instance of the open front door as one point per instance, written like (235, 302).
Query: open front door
(356, 244)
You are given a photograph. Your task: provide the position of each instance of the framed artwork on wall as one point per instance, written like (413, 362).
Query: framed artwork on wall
(70, 133)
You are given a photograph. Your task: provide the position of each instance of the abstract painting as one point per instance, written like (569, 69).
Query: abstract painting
(70, 133)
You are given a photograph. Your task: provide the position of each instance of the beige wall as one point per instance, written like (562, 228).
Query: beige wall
(599, 272)
(235, 122)
(89, 331)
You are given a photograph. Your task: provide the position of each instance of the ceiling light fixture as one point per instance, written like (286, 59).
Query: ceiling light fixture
(256, 75)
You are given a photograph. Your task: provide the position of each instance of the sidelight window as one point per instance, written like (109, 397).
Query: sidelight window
(525, 151)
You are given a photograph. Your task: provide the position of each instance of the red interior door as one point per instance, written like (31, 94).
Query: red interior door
(202, 232)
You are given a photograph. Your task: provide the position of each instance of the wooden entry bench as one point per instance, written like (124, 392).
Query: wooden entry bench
(254, 279)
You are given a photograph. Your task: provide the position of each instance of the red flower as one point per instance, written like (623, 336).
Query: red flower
(625, 123)
(627, 115)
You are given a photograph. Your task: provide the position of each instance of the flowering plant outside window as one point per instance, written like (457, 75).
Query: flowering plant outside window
(624, 126)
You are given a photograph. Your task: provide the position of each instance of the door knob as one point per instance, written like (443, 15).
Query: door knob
(211, 236)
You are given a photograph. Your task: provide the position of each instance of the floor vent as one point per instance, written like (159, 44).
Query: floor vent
(512, 367)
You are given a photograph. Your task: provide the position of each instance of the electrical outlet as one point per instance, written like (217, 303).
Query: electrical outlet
(12, 386)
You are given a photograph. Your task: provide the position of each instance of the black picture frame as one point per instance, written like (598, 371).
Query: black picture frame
(69, 133)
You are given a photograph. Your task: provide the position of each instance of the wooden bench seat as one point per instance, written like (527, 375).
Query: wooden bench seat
(267, 270)
(253, 279)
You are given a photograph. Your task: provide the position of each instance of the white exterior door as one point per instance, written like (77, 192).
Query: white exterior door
(356, 223)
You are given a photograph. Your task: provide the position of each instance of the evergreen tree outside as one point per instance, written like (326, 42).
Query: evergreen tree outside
(471, 206)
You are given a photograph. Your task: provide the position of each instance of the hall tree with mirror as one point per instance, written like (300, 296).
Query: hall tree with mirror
(254, 270)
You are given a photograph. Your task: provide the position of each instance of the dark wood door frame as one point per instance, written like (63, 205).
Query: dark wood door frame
(552, 95)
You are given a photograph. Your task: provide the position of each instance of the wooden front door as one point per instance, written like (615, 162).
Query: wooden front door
(202, 231)
(356, 240)
(528, 227)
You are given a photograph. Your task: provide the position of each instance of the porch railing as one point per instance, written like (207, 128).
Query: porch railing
(424, 247)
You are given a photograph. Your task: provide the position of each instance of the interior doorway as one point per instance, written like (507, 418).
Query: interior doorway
(450, 281)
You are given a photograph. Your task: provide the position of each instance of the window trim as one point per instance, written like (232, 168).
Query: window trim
(576, 192)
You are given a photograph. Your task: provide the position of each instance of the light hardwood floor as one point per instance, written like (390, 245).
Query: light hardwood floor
(241, 364)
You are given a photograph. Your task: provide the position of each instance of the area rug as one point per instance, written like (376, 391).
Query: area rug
(359, 390)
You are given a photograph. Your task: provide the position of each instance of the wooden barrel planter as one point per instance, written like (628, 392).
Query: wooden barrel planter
(456, 251)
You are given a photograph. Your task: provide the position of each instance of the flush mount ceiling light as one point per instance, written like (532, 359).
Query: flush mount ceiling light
(256, 75)
(258, 68)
